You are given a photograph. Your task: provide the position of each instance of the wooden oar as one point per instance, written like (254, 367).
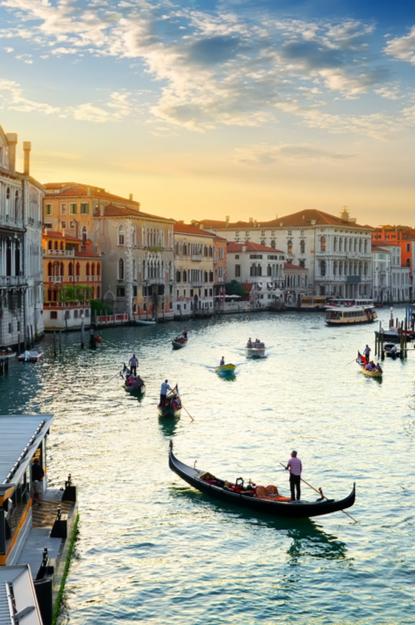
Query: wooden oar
(319, 491)
(189, 415)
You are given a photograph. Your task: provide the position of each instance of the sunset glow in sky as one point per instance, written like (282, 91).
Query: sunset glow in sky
(213, 108)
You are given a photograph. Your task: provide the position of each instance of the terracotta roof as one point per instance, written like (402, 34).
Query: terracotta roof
(301, 218)
(294, 267)
(306, 217)
(54, 234)
(111, 210)
(232, 247)
(74, 189)
(156, 217)
(181, 228)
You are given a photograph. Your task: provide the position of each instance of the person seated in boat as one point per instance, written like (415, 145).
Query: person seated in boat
(249, 343)
(185, 334)
(378, 368)
(370, 366)
(26, 355)
(164, 388)
(222, 361)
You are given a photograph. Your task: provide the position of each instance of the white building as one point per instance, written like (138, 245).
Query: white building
(259, 268)
(391, 282)
(335, 250)
(21, 290)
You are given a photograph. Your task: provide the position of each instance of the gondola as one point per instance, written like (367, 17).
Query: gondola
(179, 342)
(134, 384)
(226, 371)
(370, 373)
(218, 488)
(172, 406)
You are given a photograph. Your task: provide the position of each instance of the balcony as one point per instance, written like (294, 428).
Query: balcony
(60, 253)
(55, 279)
(7, 281)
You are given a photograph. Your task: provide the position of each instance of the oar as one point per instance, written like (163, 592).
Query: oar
(319, 491)
(189, 415)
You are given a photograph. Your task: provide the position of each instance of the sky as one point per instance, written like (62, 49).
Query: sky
(204, 108)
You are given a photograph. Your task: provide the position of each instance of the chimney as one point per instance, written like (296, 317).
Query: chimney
(131, 197)
(227, 219)
(26, 157)
(12, 141)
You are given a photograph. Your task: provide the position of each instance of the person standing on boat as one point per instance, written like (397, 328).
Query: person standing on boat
(133, 364)
(294, 465)
(366, 352)
(249, 343)
(164, 389)
(37, 480)
(222, 361)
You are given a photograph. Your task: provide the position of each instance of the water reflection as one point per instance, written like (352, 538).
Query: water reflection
(308, 538)
(168, 425)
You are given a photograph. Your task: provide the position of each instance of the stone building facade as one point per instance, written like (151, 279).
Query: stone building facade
(21, 294)
(194, 271)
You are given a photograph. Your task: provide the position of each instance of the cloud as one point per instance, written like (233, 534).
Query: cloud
(210, 68)
(266, 154)
(402, 48)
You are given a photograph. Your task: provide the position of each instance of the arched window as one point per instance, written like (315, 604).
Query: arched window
(77, 269)
(70, 269)
(87, 269)
(205, 276)
(178, 276)
(335, 244)
(323, 244)
(269, 270)
(121, 269)
(184, 276)
(49, 245)
(61, 266)
(92, 269)
(302, 246)
(259, 273)
(252, 270)
(323, 267)
(49, 270)
(98, 269)
(205, 250)
(84, 234)
(16, 205)
(290, 246)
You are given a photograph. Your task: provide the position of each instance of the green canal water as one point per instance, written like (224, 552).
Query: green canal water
(152, 550)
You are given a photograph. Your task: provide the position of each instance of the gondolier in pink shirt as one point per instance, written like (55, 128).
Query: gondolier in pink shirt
(294, 465)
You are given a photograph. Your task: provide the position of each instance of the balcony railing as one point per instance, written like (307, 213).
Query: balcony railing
(61, 253)
(13, 281)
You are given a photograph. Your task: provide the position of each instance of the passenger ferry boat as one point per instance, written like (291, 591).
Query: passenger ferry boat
(36, 532)
(350, 315)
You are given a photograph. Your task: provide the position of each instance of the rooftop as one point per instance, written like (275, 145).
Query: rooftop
(182, 228)
(75, 189)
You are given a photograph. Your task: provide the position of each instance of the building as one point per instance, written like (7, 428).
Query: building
(136, 247)
(403, 237)
(259, 268)
(21, 296)
(296, 284)
(220, 271)
(392, 283)
(72, 279)
(138, 263)
(194, 271)
(335, 250)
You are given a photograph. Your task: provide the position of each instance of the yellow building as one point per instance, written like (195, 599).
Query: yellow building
(194, 270)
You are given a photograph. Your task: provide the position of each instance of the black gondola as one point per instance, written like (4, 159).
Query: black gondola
(172, 406)
(293, 509)
(179, 341)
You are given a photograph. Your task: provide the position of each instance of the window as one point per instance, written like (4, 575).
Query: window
(121, 236)
(237, 271)
(273, 244)
(323, 245)
(290, 246)
(54, 314)
(322, 265)
(84, 209)
(63, 209)
(302, 246)
(73, 209)
(121, 291)
(121, 269)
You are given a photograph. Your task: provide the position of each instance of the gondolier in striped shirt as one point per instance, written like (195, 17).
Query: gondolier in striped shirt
(294, 465)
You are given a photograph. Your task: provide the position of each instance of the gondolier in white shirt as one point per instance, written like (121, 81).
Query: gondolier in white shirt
(294, 465)
(164, 389)
(133, 364)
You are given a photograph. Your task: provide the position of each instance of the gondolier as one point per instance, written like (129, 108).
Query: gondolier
(133, 364)
(294, 465)
(164, 388)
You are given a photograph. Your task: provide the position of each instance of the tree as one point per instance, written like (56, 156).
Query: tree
(236, 288)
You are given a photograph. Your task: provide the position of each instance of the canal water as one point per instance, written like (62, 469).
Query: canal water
(152, 550)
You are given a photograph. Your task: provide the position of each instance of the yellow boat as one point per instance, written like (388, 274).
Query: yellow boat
(227, 370)
(375, 373)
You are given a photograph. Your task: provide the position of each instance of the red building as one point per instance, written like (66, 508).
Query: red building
(403, 236)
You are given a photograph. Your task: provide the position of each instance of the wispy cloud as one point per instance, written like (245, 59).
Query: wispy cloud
(402, 48)
(266, 154)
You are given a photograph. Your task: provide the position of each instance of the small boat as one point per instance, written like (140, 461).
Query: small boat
(256, 498)
(134, 384)
(30, 356)
(391, 350)
(6, 353)
(172, 406)
(370, 373)
(145, 322)
(226, 371)
(179, 342)
(256, 350)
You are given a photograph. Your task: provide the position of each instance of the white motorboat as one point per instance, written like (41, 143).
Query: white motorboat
(30, 356)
